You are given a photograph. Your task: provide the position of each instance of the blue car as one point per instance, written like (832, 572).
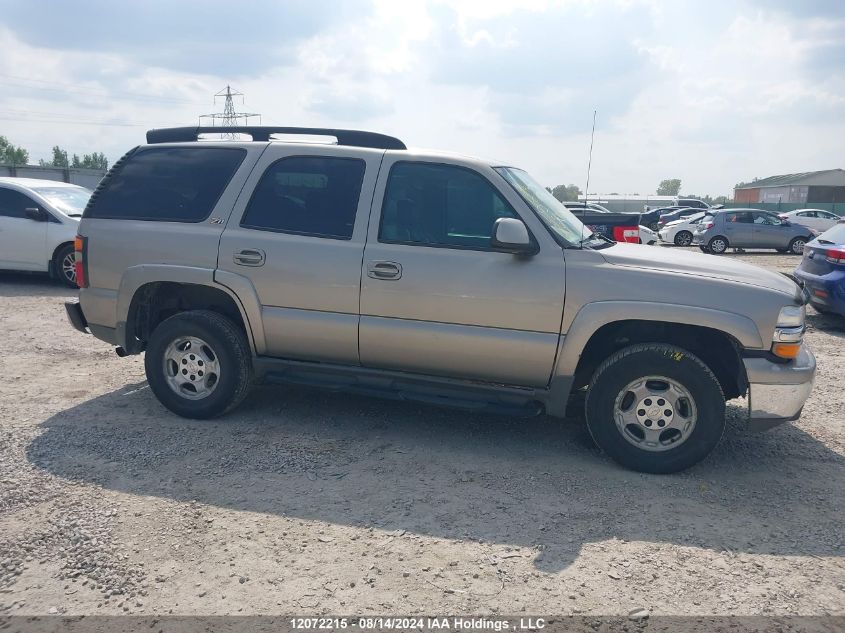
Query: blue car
(823, 270)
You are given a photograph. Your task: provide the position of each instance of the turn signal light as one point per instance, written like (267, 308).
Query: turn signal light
(786, 350)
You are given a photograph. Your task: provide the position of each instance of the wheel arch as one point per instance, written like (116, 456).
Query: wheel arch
(715, 336)
(148, 294)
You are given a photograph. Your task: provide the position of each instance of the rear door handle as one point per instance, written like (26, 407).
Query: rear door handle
(250, 257)
(384, 270)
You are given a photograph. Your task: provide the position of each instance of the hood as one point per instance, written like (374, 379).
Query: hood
(698, 265)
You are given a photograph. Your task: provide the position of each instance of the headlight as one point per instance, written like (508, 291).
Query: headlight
(789, 332)
(791, 316)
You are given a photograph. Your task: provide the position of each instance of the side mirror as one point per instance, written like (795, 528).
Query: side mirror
(511, 235)
(35, 214)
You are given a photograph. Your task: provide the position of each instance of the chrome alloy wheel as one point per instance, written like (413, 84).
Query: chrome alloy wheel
(655, 413)
(69, 267)
(191, 368)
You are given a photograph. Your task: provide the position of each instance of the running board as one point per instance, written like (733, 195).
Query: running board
(396, 385)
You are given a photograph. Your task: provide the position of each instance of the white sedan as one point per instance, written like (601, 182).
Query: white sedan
(817, 219)
(38, 223)
(680, 231)
(647, 236)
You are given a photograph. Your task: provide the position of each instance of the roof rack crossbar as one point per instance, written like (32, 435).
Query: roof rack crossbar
(355, 138)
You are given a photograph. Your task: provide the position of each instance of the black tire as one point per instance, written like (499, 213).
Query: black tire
(720, 243)
(703, 248)
(683, 238)
(654, 226)
(798, 242)
(64, 274)
(230, 350)
(659, 360)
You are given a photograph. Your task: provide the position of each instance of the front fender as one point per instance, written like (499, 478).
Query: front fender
(592, 316)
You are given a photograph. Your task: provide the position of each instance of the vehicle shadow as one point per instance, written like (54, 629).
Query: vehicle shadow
(17, 284)
(536, 483)
(832, 324)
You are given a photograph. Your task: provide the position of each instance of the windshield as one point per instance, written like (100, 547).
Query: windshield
(69, 200)
(554, 215)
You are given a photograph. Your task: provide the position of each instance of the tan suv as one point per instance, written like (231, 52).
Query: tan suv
(360, 265)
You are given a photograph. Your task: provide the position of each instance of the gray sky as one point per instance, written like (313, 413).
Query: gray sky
(712, 92)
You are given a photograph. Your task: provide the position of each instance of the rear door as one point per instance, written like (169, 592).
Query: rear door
(22, 241)
(436, 298)
(297, 233)
(739, 228)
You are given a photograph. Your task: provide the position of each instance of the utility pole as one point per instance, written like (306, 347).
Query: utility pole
(229, 116)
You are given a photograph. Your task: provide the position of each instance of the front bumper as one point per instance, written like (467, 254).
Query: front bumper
(777, 391)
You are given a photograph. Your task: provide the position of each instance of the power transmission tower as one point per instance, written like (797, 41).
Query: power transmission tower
(229, 117)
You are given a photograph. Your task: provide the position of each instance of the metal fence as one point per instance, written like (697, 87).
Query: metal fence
(84, 177)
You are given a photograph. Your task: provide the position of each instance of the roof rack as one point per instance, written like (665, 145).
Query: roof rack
(355, 138)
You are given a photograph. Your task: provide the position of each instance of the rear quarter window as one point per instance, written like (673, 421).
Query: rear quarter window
(166, 184)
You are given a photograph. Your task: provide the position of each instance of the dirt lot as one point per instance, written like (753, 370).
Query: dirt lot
(304, 502)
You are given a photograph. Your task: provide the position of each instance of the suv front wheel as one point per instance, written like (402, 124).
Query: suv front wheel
(198, 364)
(655, 408)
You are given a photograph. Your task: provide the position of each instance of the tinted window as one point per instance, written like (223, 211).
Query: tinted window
(440, 205)
(743, 218)
(14, 203)
(807, 214)
(307, 195)
(170, 184)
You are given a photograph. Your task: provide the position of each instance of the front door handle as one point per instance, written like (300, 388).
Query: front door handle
(250, 257)
(384, 270)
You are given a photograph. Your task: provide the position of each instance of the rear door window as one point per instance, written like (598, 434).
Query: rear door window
(167, 184)
(307, 195)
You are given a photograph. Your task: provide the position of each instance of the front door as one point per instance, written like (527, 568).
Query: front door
(770, 231)
(299, 239)
(437, 299)
(22, 241)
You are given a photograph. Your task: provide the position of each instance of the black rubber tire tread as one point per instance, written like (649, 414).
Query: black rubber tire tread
(57, 265)
(678, 234)
(793, 240)
(671, 361)
(233, 351)
(710, 248)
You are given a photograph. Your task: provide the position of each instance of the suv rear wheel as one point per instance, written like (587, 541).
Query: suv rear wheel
(198, 364)
(655, 408)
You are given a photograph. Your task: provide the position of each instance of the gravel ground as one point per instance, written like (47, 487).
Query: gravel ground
(304, 502)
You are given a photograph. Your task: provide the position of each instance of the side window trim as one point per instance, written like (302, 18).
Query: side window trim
(250, 227)
(458, 247)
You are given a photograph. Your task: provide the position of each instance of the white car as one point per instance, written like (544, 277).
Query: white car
(647, 236)
(38, 223)
(816, 219)
(680, 231)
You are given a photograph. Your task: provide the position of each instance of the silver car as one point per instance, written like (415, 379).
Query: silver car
(750, 228)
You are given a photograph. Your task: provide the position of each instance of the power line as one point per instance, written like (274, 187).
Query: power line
(25, 82)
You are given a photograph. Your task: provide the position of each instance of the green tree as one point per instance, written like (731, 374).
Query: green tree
(97, 160)
(566, 193)
(670, 187)
(59, 159)
(11, 154)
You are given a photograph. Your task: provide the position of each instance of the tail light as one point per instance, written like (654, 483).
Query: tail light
(783, 216)
(835, 255)
(80, 246)
(709, 225)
